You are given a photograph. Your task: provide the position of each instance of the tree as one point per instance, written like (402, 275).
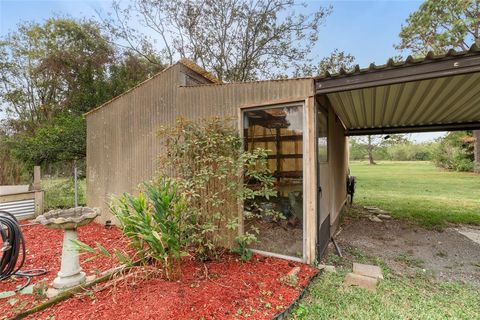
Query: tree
(238, 40)
(372, 143)
(455, 151)
(439, 25)
(52, 68)
(64, 139)
(51, 74)
(333, 63)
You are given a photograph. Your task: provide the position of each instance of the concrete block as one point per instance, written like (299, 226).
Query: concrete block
(356, 280)
(367, 270)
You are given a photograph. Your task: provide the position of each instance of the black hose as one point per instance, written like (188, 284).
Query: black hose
(13, 251)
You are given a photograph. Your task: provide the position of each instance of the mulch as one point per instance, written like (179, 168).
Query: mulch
(222, 289)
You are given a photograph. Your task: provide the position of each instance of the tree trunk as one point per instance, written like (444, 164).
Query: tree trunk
(370, 151)
(476, 151)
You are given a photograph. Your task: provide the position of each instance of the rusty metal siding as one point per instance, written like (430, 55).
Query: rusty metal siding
(122, 146)
(121, 138)
(225, 100)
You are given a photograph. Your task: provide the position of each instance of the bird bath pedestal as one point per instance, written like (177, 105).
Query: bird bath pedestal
(69, 220)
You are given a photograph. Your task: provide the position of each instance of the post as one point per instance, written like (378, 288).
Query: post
(476, 151)
(37, 187)
(75, 186)
(37, 179)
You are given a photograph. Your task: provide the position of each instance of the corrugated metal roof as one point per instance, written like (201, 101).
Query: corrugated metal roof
(431, 57)
(436, 92)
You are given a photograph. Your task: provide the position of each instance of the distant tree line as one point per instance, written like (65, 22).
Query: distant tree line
(454, 152)
(50, 75)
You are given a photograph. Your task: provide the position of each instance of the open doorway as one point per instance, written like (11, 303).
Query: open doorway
(279, 129)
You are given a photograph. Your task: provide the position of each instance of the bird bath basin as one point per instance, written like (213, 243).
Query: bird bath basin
(69, 220)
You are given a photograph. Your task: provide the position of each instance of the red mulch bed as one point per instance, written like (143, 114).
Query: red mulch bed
(44, 250)
(231, 290)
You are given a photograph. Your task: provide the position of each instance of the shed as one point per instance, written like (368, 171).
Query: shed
(305, 123)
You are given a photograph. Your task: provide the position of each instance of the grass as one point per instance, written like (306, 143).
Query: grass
(419, 191)
(59, 193)
(415, 191)
(396, 298)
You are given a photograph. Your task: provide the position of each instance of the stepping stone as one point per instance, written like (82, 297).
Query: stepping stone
(368, 270)
(327, 268)
(384, 216)
(374, 219)
(356, 280)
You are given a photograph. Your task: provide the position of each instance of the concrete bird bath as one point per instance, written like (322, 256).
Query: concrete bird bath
(69, 220)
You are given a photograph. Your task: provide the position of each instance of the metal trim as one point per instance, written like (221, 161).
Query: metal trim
(413, 129)
(430, 70)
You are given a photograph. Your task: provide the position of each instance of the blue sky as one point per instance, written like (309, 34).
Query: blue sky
(366, 29)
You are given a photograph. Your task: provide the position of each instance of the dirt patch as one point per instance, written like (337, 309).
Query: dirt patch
(451, 254)
(280, 238)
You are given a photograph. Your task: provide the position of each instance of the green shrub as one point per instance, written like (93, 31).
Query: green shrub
(155, 222)
(455, 151)
(216, 176)
(59, 193)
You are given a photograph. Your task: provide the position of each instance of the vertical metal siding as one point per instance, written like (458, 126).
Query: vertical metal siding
(122, 147)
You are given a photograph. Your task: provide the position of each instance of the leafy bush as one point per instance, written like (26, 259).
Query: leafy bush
(155, 223)
(59, 193)
(455, 151)
(410, 152)
(216, 176)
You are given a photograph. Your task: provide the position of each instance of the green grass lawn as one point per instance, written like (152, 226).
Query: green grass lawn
(59, 193)
(418, 191)
(396, 298)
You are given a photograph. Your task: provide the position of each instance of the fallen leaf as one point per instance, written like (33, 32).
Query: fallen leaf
(12, 301)
(6, 294)
(27, 289)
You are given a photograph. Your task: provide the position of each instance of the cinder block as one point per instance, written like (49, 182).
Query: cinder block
(367, 270)
(357, 280)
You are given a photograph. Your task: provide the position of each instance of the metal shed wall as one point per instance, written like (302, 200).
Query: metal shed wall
(225, 100)
(122, 146)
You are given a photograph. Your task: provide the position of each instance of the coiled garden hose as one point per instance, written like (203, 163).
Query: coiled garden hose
(13, 251)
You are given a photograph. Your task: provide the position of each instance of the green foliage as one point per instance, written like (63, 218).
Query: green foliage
(409, 152)
(216, 176)
(50, 68)
(11, 171)
(396, 148)
(64, 139)
(59, 193)
(242, 249)
(333, 63)
(439, 25)
(155, 223)
(52, 73)
(455, 151)
(396, 297)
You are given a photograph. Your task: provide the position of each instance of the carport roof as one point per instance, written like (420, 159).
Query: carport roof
(436, 92)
